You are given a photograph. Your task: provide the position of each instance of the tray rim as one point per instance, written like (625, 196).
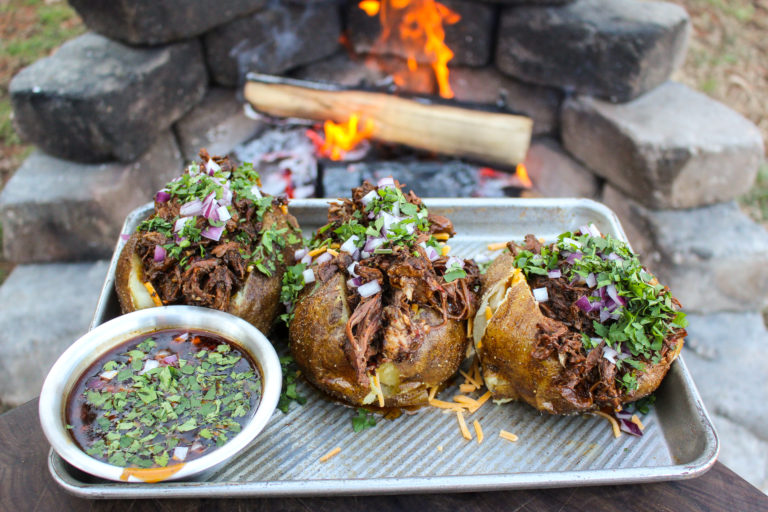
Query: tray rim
(406, 485)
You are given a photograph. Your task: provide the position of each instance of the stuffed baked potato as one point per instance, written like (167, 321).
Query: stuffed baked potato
(381, 315)
(214, 241)
(574, 326)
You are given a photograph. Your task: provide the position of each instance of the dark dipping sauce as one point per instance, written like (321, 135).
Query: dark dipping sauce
(163, 398)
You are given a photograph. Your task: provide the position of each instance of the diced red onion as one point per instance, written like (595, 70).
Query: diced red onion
(453, 262)
(630, 428)
(179, 225)
(95, 383)
(256, 192)
(212, 232)
(410, 228)
(159, 253)
(162, 196)
(222, 212)
(211, 167)
(373, 243)
(389, 220)
(386, 182)
(125, 236)
(592, 230)
(365, 254)
(541, 294)
(591, 280)
(306, 259)
(149, 364)
(351, 268)
(396, 209)
(300, 253)
(309, 276)
(170, 359)
(191, 208)
(553, 274)
(614, 257)
(573, 257)
(584, 304)
(367, 198)
(349, 245)
(610, 354)
(351, 283)
(108, 375)
(614, 294)
(197, 447)
(180, 452)
(432, 253)
(368, 289)
(622, 415)
(209, 205)
(181, 337)
(323, 258)
(226, 196)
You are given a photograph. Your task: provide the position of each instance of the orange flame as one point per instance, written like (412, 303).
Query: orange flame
(343, 137)
(419, 25)
(522, 174)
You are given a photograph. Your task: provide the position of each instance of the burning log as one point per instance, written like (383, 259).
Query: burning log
(492, 137)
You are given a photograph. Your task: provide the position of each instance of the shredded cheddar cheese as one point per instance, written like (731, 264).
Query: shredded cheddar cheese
(637, 422)
(482, 400)
(432, 393)
(465, 400)
(330, 454)
(497, 246)
(316, 252)
(478, 431)
(440, 448)
(467, 388)
(488, 313)
(377, 389)
(335, 245)
(153, 293)
(509, 436)
(440, 404)
(463, 426)
(332, 252)
(614, 423)
(442, 236)
(470, 379)
(446, 249)
(284, 209)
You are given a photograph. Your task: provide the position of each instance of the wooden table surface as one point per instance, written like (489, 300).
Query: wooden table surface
(26, 485)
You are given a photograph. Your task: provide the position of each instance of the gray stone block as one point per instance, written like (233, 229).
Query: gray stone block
(713, 258)
(98, 100)
(153, 22)
(732, 381)
(556, 174)
(56, 210)
(470, 39)
(45, 309)
(671, 148)
(218, 124)
(615, 49)
(273, 41)
(487, 85)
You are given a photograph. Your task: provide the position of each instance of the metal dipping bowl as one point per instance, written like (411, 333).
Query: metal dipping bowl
(94, 344)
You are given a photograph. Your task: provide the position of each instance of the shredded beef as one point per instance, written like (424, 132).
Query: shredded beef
(382, 327)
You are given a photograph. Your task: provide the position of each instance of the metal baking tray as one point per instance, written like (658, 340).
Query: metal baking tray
(424, 452)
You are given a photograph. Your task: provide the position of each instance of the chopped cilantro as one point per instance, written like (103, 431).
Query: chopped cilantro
(363, 420)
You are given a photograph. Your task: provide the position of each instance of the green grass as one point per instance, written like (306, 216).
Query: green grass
(52, 29)
(757, 198)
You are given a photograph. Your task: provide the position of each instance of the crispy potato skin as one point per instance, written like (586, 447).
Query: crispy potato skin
(505, 348)
(317, 337)
(257, 302)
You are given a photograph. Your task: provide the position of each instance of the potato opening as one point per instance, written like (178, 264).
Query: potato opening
(491, 301)
(139, 294)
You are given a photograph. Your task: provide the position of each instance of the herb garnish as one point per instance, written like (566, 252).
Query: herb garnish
(640, 326)
(292, 284)
(173, 393)
(289, 394)
(363, 420)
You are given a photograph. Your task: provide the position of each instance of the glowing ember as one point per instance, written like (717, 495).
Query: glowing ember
(418, 26)
(341, 138)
